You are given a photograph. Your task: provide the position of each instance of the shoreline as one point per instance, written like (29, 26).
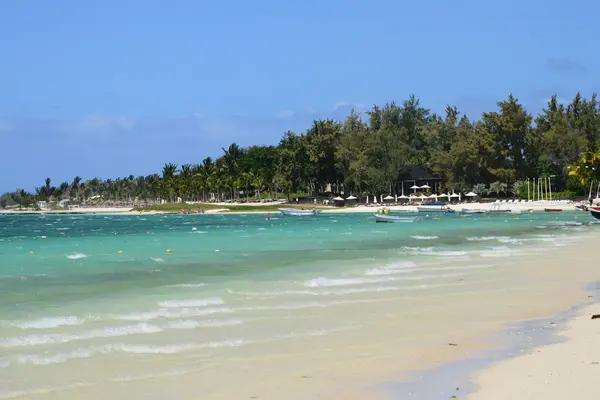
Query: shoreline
(470, 377)
(360, 209)
(567, 367)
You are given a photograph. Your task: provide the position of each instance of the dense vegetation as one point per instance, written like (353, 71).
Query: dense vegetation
(363, 154)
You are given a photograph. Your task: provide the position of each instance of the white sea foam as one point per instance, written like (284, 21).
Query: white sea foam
(419, 237)
(274, 293)
(61, 357)
(188, 285)
(392, 269)
(46, 322)
(77, 256)
(333, 282)
(213, 301)
(191, 324)
(58, 338)
(432, 251)
(327, 282)
(157, 259)
(171, 313)
(486, 238)
(301, 306)
(501, 251)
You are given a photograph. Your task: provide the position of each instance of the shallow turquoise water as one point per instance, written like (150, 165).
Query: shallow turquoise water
(80, 287)
(53, 260)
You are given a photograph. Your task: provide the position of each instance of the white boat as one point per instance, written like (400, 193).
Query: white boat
(501, 208)
(473, 211)
(296, 212)
(431, 209)
(394, 218)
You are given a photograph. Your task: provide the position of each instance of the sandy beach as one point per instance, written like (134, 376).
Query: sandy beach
(565, 370)
(523, 207)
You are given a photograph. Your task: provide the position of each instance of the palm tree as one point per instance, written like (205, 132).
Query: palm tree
(75, 186)
(587, 168)
(231, 166)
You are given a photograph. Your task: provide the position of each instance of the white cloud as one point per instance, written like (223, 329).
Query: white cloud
(348, 104)
(102, 124)
(286, 114)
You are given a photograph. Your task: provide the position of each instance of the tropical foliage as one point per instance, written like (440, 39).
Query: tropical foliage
(494, 154)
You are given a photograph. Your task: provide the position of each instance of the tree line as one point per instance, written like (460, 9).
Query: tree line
(364, 153)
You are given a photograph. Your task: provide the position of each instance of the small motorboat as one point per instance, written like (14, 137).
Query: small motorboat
(395, 218)
(296, 212)
(434, 209)
(473, 211)
(581, 207)
(553, 209)
(595, 212)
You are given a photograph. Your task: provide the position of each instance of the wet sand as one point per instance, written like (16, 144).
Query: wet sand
(569, 369)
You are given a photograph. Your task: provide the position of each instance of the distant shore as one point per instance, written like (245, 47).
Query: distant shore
(261, 208)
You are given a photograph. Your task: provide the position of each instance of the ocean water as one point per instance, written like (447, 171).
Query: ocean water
(98, 299)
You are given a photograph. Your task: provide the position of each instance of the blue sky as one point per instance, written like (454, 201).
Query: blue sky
(108, 88)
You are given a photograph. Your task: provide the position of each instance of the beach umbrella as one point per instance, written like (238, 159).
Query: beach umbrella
(338, 199)
(403, 197)
(350, 198)
(415, 187)
(471, 194)
(388, 197)
(425, 187)
(422, 197)
(454, 195)
(433, 196)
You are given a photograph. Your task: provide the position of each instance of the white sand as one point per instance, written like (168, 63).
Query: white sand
(361, 208)
(568, 370)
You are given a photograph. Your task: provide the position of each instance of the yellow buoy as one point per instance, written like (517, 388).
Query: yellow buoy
(120, 251)
(167, 250)
(218, 227)
(147, 233)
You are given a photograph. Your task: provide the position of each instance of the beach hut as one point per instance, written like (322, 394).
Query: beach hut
(338, 201)
(471, 195)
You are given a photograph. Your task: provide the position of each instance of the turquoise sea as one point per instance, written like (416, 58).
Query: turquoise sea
(158, 293)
